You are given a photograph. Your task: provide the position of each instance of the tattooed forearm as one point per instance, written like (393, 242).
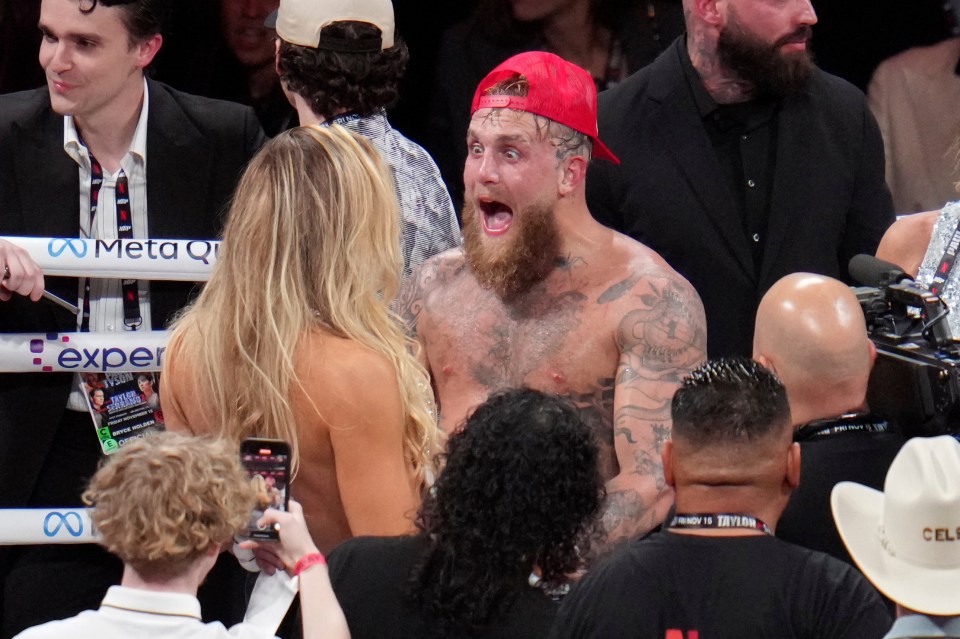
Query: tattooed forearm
(660, 338)
(622, 508)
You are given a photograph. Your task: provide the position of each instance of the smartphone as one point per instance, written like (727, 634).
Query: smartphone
(267, 462)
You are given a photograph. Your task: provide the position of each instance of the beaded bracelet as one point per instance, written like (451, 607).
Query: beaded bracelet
(308, 560)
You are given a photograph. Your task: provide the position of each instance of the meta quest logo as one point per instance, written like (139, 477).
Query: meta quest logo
(205, 251)
(86, 358)
(70, 522)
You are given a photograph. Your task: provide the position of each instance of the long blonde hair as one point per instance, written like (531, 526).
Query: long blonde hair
(311, 242)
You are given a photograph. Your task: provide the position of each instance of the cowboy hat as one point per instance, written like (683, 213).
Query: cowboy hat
(906, 539)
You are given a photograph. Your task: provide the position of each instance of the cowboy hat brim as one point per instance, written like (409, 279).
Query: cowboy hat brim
(930, 590)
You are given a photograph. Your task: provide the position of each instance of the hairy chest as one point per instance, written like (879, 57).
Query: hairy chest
(556, 338)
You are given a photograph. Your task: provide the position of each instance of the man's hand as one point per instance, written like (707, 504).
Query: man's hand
(21, 274)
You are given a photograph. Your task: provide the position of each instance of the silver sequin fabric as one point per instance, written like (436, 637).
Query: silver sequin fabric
(942, 232)
(429, 223)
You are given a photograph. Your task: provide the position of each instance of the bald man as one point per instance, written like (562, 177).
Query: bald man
(811, 332)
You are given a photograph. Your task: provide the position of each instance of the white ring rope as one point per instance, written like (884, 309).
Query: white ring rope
(146, 259)
(120, 352)
(46, 526)
(128, 351)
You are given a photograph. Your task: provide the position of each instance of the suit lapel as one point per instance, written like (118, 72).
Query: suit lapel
(49, 179)
(177, 169)
(788, 204)
(680, 129)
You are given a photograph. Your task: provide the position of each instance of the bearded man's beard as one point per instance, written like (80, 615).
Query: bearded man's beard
(771, 71)
(511, 267)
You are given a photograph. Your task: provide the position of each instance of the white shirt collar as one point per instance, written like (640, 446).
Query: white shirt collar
(168, 604)
(138, 146)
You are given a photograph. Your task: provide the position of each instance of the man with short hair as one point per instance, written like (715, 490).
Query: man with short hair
(717, 571)
(169, 540)
(742, 162)
(542, 296)
(812, 333)
(101, 153)
(340, 62)
(905, 538)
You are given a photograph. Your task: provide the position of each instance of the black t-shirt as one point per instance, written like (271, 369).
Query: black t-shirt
(370, 574)
(825, 461)
(751, 587)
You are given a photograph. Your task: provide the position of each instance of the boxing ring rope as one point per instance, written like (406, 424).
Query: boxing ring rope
(126, 352)
(129, 351)
(146, 259)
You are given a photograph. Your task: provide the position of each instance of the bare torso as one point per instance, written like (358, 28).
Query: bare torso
(613, 332)
(353, 478)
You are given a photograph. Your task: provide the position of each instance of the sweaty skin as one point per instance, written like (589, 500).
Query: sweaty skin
(613, 329)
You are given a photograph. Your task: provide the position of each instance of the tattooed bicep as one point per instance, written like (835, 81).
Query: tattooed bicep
(667, 329)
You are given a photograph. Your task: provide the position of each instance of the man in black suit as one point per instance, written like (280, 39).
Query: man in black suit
(72, 150)
(741, 161)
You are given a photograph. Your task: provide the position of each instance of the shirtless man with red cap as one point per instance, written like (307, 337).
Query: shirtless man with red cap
(541, 295)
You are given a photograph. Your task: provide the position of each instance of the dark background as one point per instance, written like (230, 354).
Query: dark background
(850, 40)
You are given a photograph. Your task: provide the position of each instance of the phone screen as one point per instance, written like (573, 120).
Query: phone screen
(267, 463)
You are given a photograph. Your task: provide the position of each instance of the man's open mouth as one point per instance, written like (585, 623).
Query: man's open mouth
(497, 217)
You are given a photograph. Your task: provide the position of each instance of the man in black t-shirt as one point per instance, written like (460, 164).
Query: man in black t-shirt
(811, 332)
(717, 572)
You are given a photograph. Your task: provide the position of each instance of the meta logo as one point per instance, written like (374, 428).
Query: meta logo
(69, 521)
(199, 250)
(96, 359)
(57, 246)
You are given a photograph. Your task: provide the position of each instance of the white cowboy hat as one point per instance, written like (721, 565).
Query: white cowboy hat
(906, 540)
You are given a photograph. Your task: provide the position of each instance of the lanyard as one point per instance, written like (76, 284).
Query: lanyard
(129, 290)
(946, 262)
(851, 423)
(719, 520)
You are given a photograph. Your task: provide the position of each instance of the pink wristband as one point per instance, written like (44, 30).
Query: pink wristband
(309, 560)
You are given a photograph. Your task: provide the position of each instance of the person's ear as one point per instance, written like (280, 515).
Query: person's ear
(276, 60)
(709, 11)
(573, 173)
(793, 465)
(147, 50)
(873, 352)
(667, 457)
(764, 361)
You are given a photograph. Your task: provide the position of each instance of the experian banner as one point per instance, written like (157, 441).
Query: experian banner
(181, 260)
(120, 352)
(46, 526)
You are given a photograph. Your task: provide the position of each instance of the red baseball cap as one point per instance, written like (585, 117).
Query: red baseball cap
(558, 90)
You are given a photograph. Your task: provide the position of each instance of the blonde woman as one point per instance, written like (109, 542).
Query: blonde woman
(292, 339)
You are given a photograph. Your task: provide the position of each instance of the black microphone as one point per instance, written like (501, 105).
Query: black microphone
(870, 271)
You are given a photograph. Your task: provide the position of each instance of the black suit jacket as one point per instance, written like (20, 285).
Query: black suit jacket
(829, 200)
(196, 151)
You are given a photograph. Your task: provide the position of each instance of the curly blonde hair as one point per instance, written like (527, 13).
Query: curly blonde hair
(163, 500)
(312, 242)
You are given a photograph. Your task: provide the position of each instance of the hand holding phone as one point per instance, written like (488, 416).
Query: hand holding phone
(267, 462)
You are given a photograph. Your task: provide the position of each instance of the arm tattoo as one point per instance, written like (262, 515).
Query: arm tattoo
(411, 298)
(660, 339)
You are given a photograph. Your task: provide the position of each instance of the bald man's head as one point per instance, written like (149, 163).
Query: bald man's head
(811, 331)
